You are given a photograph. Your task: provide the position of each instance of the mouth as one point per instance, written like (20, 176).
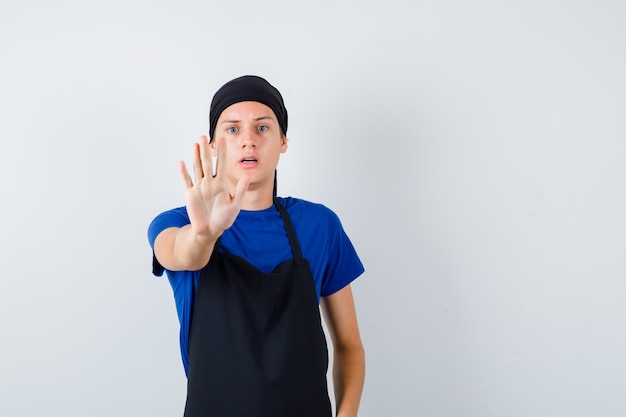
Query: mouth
(249, 160)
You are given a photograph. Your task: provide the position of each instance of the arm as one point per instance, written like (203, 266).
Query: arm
(181, 249)
(349, 356)
(211, 208)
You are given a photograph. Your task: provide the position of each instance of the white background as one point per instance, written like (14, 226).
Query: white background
(474, 151)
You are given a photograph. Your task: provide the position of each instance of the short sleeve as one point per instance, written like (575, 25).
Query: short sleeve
(172, 218)
(343, 263)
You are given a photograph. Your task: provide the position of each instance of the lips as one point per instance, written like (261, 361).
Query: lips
(249, 161)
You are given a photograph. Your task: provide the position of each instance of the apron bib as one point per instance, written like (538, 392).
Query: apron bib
(256, 346)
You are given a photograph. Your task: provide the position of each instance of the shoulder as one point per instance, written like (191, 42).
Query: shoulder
(313, 220)
(308, 210)
(176, 217)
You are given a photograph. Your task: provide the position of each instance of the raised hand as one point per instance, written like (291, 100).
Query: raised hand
(211, 206)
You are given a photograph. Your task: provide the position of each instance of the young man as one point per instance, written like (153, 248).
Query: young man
(248, 270)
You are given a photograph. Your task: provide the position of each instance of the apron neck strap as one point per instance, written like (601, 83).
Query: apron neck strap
(291, 233)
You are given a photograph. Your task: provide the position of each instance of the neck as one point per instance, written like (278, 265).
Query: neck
(258, 198)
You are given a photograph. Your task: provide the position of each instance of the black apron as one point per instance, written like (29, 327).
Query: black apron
(256, 346)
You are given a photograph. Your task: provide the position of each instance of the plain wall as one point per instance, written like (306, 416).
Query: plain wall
(473, 150)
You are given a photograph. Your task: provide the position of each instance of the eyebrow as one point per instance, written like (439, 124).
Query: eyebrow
(256, 120)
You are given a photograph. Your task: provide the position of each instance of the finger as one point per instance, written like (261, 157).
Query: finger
(242, 187)
(205, 157)
(185, 174)
(220, 162)
(197, 163)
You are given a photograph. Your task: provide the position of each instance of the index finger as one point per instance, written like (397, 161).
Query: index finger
(205, 157)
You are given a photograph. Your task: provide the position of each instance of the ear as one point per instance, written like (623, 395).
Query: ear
(283, 143)
(213, 147)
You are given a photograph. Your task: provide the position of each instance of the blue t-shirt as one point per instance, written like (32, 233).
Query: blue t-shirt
(260, 238)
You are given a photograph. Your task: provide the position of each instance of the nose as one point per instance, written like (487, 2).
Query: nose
(248, 138)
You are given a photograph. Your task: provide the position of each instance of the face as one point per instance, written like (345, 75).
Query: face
(252, 143)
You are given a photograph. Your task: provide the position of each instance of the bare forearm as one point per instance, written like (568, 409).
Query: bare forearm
(192, 251)
(348, 378)
(179, 249)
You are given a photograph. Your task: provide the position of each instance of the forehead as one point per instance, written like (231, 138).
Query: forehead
(247, 110)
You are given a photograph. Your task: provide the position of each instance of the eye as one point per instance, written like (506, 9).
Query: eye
(232, 129)
(262, 128)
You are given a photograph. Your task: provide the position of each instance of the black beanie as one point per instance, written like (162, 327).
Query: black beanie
(247, 88)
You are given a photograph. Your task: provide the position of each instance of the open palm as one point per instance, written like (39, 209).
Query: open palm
(211, 206)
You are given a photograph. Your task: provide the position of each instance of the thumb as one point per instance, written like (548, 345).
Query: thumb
(242, 187)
